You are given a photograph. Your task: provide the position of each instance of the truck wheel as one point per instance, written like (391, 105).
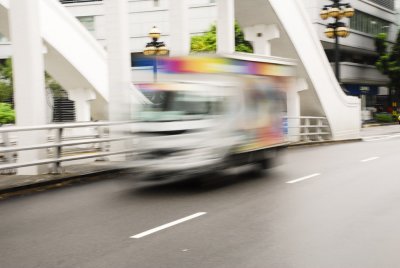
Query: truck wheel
(265, 164)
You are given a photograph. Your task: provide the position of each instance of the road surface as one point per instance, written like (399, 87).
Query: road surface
(325, 206)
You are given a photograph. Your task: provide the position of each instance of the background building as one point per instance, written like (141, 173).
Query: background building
(359, 77)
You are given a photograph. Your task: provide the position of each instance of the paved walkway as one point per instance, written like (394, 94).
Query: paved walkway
(14, 183)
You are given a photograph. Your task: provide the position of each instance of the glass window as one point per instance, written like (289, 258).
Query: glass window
(389, 4)
(87, 22)
(368, 24)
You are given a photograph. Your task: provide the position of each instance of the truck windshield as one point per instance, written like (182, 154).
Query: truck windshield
(180, 105)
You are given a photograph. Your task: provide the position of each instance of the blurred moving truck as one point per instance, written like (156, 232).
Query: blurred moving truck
(210, 124)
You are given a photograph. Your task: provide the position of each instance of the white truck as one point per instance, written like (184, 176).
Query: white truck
(194, 127)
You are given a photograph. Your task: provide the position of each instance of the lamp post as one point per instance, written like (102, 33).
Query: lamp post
(337, 11)
(155, 48)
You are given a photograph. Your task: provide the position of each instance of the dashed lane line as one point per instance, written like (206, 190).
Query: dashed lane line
(370, 159)
(304, 178)
(167, 225)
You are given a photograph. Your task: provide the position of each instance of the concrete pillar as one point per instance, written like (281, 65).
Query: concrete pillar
(82, 98)
(225, 26)
(293, 107)
(119, 65)
(260, 35)
(179, 28)
(28, 75)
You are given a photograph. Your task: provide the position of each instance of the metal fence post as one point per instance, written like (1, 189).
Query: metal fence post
(306, 129)
(8, 157)
(102, 145)
(57, 169)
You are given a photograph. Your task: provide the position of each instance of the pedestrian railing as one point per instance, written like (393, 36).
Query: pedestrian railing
(308, 129)
(61, 147)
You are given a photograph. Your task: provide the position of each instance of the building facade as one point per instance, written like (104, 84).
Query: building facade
(359, 77)
(358, 74)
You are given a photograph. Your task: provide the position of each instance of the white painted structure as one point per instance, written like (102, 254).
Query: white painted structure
(42, 42)
(28, 73)
(81, 65)
(71, 55)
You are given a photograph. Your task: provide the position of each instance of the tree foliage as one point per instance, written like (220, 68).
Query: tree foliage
(6, 81)
(388, 62)
(7, 114)
(55, 88)
(208, 41)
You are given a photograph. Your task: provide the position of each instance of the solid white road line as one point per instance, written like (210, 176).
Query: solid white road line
(162, 227)
(304, 178)
(369, 159)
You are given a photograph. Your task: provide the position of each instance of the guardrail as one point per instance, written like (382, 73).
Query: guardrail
(308, 129)
(57, 142)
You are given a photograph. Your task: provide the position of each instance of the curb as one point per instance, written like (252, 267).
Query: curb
(378, 124)
(314, 143)
(72, 177)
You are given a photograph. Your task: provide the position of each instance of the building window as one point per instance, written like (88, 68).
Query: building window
(87, 22)
(368, 24)
(389, 4)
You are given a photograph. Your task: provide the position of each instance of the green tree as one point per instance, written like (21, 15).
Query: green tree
(6, 81)
(388, 63)
(55, 88)
(208, 41)
(7, 114)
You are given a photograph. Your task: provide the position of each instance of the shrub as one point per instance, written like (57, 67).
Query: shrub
(7, 114)
(384, 117)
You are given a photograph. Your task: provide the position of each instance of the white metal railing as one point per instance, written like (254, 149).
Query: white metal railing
(57, 143)
(308, 129)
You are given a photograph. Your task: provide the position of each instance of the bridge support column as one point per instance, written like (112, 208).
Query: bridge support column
(179, 30)
(260, 35)
(119, 66)
(28, 75)
(82, 98)
(293, 108)
(225, 26)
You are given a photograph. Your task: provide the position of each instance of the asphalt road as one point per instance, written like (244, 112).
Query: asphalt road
(325, 206)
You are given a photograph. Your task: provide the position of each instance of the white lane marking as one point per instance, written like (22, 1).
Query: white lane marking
(369, 159)
(304, 178)
(167, 225)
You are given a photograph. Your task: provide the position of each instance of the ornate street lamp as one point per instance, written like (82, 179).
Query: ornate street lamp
(337, 11)
(155, 48)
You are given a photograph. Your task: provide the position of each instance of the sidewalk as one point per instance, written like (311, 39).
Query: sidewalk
(16, 183)
(377, 124)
